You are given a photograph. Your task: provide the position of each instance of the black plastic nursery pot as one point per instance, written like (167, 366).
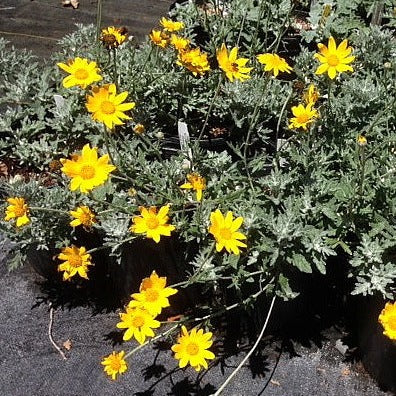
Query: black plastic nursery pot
(377, 352)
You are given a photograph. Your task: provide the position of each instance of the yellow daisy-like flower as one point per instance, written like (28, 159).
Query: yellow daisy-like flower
(151, 223)
(82, 216)
(303, 116)
(225, 231)
(334, 59)
(275, 63)
(180, 43)
(82, 73)
(192, 348)
(171, 26)
(108, 107)
(113, 37)
(159, 38)
(195, 182)
(87, 171)
(361, 140)
(233, 67)
(153, 295)
(76, 261)
(139, 324)
(311, 95)
(387, 318)
(114, 364)
(17, 209)
(194, 60)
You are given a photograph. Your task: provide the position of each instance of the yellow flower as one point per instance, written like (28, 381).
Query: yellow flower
(151, 223)
(231, 65)
(17, 209)
(311, 95)
(194, 60)
(224, 229)
(302, 116)
(195, 182)
(334, 59)
(153, 295)
(387, 318)
(87, 170)
(113, 37)
(76, 261)
(274, 62)
(171, 26)
(159, 38)
(180, 43)
(82, 216)
(107, 107)
(139, 324)
(192, 348)
(139, 129)
(361, 140)
(82, 73)
(114, 364)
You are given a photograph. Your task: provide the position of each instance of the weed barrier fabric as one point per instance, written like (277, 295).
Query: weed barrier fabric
(30, 365)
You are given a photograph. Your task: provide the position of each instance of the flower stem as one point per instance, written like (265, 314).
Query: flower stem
(98, 18)
(245, 359)
(152, 340)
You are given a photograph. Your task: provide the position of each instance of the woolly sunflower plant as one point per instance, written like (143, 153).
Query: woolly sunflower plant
(237, 178)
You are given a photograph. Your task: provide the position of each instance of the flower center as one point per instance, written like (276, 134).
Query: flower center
(115, 364)
(225, 233)
(19, 211)
(85, 218)
(107, 107)
(234, 67)
(392, 322)
(74, 261)
(332, 60)
(152, 223)
(302, 118)
(138, 321)
(152, 295)
(81, 74)
(87, 172)
(192, 348)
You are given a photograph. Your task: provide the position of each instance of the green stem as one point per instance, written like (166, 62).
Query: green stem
(115, 74)
(152, 340)
(210, 108)
(49, 210)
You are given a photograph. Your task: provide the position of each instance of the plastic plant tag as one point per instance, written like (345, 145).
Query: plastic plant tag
(184, 139)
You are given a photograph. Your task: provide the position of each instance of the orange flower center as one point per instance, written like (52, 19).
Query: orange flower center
(332, 60)
(225, 233)
(234, 67)
(75, 260)
(115, 363)
(19, 211)
(392, 322)
(138, 321)
(81, 74)
(85, 219)
(87, 172)
(192, 348)
(152, 295)
(152, 223)
(303, 118)
(107, 107)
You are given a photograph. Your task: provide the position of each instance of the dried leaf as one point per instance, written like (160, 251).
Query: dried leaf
(67, 345)
(273, 382)
(345, 372)
(174, 318)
